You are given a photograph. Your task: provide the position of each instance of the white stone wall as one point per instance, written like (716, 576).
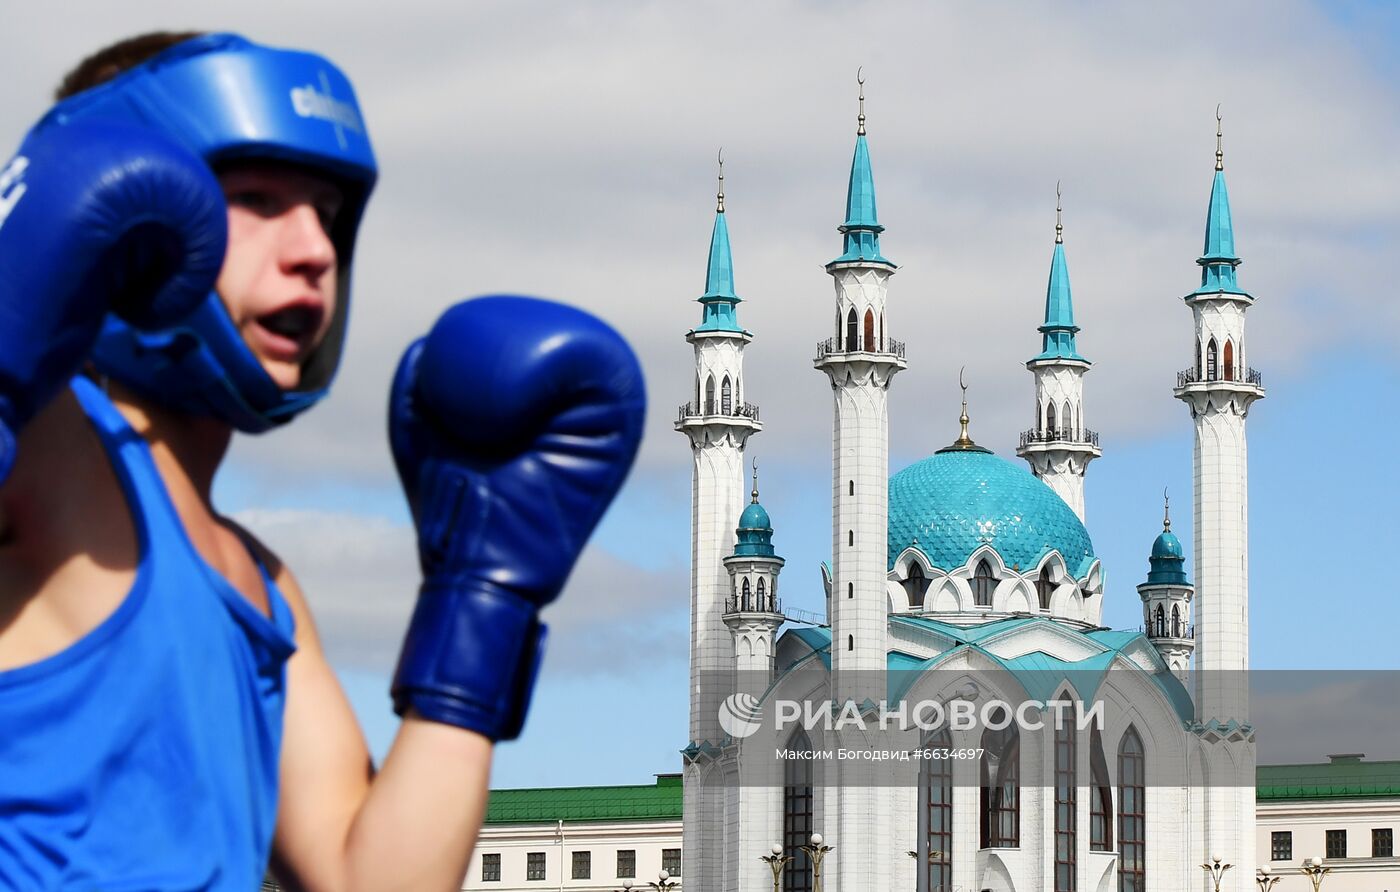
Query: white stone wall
(718, 355)
(1309, 820)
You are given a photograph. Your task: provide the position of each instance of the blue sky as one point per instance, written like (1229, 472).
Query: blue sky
(569, 153)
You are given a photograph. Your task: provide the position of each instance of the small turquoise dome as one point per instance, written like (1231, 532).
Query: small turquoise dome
(1167, 546)
(755, 532)
(950, 504)
(1168, 561)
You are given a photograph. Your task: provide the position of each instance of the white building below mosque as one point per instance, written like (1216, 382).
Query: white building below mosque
(965, 577)
(1345, 812)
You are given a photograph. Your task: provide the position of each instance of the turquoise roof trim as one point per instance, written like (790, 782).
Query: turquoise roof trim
(952, 503)
(1040, 674)
(1218, 259)
(719, 298)
(1059, 328)
(862, 227)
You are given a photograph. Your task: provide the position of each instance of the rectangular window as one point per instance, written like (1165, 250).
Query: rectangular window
(491, 867)
(583, 865)
(1066, 798)
(1336, 843)
(1382, 843)
(1281, 845)
(534, 866)
(671, 861)
(626, 863)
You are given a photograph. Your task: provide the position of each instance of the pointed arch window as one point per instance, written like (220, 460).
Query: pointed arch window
(726, 397)
(710, 395)
(1229, 361)
(915, 585)
(1000, 771)
(1177, 630)
(745, 594)
(797, 814)
(1066, 801)
(935, 852)
(1044, 588)
(1100, 796)
(1212, 370)
(852, 326)
(1198, 358)
(869, 331)
(1132, 813)
(983, 584)
(762, 596)
(1161, 622)
(882, 332)
(1067, 422)
(1050, 421)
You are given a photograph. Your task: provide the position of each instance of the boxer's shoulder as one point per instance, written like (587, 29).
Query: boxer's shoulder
(70, 550)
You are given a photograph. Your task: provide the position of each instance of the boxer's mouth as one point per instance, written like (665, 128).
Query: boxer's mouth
(291, 332)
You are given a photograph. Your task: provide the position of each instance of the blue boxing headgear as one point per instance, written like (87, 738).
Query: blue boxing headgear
(227, 99)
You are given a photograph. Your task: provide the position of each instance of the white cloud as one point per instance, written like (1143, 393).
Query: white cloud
(361, 577)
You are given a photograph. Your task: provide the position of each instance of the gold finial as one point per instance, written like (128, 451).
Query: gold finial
(755, 480)
(1059, 225)
(1166, 511)
(860, 79)
(963, 438)
(1219, 135)
(720, 209)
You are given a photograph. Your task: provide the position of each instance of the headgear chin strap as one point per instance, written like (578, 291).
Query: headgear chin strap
(229, 99)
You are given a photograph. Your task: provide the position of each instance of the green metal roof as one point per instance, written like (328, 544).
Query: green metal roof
(653, 802)
(1342, 779)
(662, 801)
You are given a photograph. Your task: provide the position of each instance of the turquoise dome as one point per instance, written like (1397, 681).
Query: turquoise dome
(1168, 561)
(755, 518)
(1167, 546)
(954, 502)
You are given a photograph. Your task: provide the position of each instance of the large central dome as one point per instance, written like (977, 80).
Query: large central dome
(958, 500)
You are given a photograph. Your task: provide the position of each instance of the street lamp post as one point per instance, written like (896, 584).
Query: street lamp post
(1266, 882)
(817, 851)
(663, 883)
(776, 862)
(1314, 871)
(1216, 870)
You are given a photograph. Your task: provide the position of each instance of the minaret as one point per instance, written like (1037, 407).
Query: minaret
(1166, 601)
(1219, 389)
(1059, 447)
(860, 359)
(753, 613)
(718, 423)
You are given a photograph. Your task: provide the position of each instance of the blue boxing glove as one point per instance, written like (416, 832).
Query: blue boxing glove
(513, 424)
(95, 216)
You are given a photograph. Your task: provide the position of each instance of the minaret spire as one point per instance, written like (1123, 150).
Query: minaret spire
(860, 120)
(1059, 447)
(719, 299)
(754, 494)
(720, 197)
(1218, 259)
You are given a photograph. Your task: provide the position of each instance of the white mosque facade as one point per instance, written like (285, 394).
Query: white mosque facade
(965, 577)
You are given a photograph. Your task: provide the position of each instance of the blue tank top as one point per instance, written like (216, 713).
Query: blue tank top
(144, 756)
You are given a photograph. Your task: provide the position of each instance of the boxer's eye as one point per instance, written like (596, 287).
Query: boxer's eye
(262, 203)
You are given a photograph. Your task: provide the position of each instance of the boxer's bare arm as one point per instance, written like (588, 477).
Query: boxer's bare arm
(342, 827)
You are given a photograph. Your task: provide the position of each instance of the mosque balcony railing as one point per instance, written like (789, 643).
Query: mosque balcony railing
(886, 346)
(1180, 633)
(1197, 376)
(753, 603)
(1060, 435)
(739, 410)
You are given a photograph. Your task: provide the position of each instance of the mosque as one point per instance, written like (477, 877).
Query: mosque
(965, 577)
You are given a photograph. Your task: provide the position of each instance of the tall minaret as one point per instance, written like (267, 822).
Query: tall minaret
(860, 359)
(753, 612)
(1059, 447)
(717, 422)
(1219, 388)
